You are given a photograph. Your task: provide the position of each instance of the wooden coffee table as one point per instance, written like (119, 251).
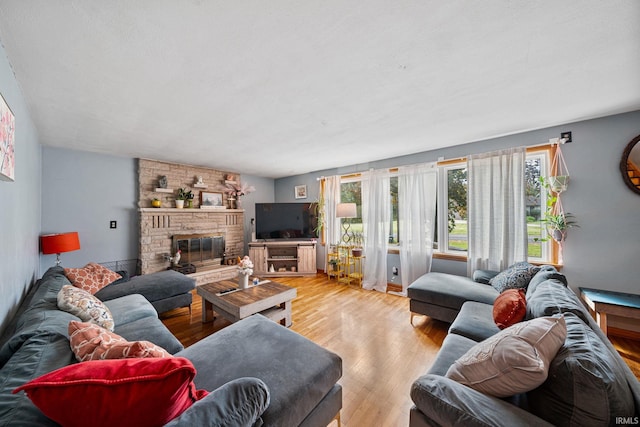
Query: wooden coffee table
(271, 299)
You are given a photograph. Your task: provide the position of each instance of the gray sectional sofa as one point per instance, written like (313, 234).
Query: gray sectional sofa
(588, 383)
(248, 366)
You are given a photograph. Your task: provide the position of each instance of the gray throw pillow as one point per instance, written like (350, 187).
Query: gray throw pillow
(516, 276)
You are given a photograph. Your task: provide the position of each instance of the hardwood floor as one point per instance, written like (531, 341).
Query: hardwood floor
(382, 353)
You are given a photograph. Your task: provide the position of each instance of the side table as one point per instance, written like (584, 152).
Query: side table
(603, 303)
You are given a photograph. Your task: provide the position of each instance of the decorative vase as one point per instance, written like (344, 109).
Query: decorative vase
(156, 203)
(356, 252)
(179, 204)
(189, 203)
(243, 280)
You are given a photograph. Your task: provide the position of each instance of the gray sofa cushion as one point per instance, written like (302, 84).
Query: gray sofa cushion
(546, 272)
(150, 329)
(298, 372)
(586, 384)
(445, 402)
(453, 347)
(450, 291)
(39, 354)
(475, 321)
(155, 286)
(239, 402)
(130, 308)
(552, 297)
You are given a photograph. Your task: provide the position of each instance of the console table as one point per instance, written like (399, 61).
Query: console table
(602, 303)
(283, 258)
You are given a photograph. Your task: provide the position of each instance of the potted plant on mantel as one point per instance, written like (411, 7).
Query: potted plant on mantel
(181, 197)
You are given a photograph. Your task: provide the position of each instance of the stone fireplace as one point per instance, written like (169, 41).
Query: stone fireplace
(205, 234)
(202, 235)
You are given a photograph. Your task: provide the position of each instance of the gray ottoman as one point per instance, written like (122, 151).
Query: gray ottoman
(165, 290)
(301, 376)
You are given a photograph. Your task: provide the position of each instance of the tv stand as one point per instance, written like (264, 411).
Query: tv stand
(283, 258)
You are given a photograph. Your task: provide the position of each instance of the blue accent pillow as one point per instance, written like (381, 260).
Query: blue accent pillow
(517, 276)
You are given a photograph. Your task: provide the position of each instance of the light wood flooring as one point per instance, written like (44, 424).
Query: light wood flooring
(382, 353)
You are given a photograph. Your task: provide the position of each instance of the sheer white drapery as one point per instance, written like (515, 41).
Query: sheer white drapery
(331, 222)
(497, 225)
(417, 186)
(376, 214)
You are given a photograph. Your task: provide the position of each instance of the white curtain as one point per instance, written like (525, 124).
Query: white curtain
(497, 226)
(376, 214)
(417, 186)
(332, 224)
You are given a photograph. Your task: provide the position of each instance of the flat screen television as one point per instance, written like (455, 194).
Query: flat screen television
(293, 221)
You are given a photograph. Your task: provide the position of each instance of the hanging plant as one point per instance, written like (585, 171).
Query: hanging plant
(559, 180)
(555, 219)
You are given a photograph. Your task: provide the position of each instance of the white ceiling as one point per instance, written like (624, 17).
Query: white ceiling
(284, 87)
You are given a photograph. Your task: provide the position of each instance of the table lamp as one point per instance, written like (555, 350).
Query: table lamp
(346, 210)
(59, 243)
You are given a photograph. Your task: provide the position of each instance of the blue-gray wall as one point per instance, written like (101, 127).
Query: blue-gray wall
(603, 252)
(83, 192)
(19, 203)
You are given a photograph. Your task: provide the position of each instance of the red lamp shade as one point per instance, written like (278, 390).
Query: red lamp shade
(59, 243)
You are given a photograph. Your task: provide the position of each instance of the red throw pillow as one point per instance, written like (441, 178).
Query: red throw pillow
(136, 392)
(92, 277)
(509, 308)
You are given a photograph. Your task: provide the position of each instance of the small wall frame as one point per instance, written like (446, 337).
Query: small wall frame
(300, 191)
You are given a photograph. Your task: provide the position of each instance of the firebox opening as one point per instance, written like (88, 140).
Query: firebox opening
(200, 249)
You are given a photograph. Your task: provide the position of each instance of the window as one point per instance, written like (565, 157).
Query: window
(351, 192)
(452, 202)
(451, 211)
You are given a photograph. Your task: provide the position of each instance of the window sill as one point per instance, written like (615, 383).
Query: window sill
(463, 258)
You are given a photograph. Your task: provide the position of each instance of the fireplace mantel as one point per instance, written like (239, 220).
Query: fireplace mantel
(189, 210)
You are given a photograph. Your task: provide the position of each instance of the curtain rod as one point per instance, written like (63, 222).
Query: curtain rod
(442, 161)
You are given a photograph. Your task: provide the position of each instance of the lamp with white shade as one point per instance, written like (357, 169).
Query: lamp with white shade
(346, 210)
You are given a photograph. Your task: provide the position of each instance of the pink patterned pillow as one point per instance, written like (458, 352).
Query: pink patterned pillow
(91, 342)
(92, 277)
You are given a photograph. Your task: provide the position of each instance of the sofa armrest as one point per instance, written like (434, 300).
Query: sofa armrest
(237, 403)
(484, 276)
(447, 402)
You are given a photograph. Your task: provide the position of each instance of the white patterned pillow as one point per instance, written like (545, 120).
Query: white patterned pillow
(514, 360)
(84, 305)
(516, 276)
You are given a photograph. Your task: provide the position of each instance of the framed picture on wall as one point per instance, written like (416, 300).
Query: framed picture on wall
(7, 141)
(211, 200)
(300, 191)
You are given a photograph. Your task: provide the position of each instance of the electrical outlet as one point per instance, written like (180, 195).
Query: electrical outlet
(394, 271)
